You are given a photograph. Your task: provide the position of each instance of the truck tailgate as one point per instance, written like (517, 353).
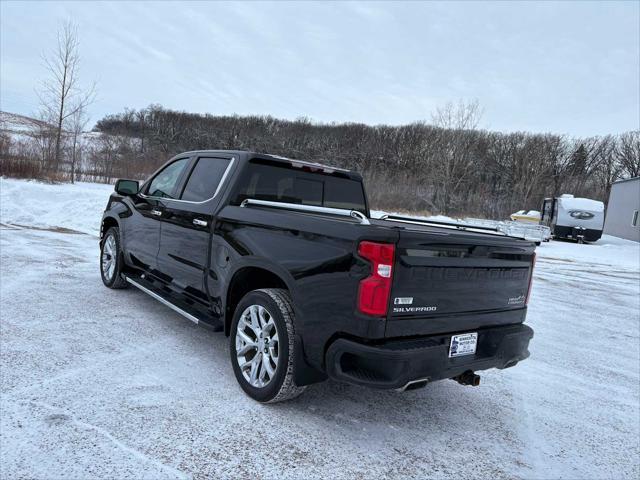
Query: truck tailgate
(454, 281)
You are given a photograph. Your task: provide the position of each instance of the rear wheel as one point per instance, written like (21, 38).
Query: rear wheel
(111, 261)
(261, 345)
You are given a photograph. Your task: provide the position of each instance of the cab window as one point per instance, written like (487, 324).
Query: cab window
(204, 179)
(282, 184)
(165, 182)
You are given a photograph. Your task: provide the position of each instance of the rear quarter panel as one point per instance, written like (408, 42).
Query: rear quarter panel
(316, 255)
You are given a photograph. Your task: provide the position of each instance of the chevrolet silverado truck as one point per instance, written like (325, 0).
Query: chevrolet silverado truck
(284, 257)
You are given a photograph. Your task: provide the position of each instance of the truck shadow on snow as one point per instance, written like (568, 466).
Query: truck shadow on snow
(354, 404)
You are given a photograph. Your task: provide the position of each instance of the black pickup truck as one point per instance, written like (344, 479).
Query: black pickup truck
(284, 257)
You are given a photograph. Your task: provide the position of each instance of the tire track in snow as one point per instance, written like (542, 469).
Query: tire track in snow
(119, 444)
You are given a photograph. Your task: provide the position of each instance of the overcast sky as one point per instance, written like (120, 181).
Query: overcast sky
(545, 67)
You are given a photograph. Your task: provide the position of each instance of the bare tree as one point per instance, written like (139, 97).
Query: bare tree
(79, 122)
(454, 151)
(609, 168)
(451, 167)
(463, 116)
(629, 153)
(61, 95)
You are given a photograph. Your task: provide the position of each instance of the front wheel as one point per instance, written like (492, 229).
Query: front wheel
(111, 262)
(261, 345)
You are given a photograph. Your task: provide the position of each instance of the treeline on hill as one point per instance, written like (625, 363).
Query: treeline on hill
(449, 167)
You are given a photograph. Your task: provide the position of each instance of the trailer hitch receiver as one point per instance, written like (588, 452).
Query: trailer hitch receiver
(468, 378)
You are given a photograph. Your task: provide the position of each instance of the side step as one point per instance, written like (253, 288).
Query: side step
(188, 311)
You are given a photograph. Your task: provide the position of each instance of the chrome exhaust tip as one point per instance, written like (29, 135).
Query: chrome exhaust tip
(414, 385)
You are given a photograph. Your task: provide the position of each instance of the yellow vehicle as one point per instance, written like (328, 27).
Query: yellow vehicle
(526, 216)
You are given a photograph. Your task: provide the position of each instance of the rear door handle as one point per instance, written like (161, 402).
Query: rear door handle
(200, 223)
(157, 213)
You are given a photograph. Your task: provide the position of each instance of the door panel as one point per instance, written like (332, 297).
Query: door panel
(143, 228)
(142, 232)
(186, 225)
(184, 246)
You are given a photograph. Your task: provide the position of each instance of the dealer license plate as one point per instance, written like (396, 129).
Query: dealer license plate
(463, 344)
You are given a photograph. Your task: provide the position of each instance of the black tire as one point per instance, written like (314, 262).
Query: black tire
(281, 386)
(116, 280)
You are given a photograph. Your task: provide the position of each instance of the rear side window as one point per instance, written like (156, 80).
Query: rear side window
(291, 185)
(342, 193)
(164, 183)
(204, 179)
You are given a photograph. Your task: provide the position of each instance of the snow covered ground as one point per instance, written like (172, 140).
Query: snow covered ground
(103, 383)
(77, 207)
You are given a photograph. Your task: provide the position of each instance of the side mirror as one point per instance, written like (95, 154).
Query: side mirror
(127, 187)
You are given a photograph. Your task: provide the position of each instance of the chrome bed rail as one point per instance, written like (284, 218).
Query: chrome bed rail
(532, 233)
(342, 212)
(439, 223)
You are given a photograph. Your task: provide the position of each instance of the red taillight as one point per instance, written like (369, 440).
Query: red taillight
(373, 295)
(533, 264)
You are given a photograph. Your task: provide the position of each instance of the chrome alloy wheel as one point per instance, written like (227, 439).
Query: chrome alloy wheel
(257, 346)
(109, 252)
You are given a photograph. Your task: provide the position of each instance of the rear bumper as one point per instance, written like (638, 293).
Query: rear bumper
(395, 363)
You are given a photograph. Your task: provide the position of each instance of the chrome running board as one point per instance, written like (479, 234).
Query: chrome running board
(162, 300)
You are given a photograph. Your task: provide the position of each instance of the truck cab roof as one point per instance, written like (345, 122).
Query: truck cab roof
(248, 155)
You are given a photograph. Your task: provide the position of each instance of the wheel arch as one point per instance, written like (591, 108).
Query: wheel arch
(108, 222)
(271, 276)
(252, 276)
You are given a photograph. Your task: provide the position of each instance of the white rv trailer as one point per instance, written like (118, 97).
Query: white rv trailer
(580, 219)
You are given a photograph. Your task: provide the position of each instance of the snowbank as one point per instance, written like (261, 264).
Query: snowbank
(76, 207)
(611, 251)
